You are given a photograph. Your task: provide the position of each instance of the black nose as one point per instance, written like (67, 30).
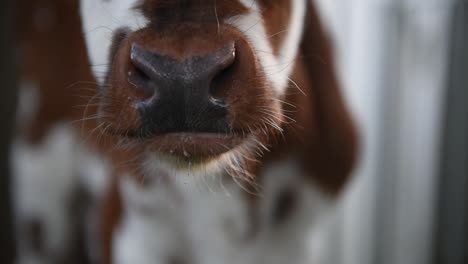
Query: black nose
(182, 95)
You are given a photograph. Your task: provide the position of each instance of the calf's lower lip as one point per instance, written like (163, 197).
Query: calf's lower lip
(194, 146)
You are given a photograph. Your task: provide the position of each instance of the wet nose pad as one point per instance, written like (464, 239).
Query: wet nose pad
(181, 95)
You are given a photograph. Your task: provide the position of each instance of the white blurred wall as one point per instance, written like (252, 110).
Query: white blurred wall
(392, 57)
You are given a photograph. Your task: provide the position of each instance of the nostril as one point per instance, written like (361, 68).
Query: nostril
(221, 60)
(136, 73)
(218, 85)
(140, 73)
(145, 61)
(222, 72)
(142, 84)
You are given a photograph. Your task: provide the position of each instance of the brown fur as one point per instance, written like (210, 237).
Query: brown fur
(171, 12)
(55, 58)
(276, 28)
(329, 139)
(323, 137)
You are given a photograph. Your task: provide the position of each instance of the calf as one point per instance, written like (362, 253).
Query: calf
(222, 119)
(231, 128)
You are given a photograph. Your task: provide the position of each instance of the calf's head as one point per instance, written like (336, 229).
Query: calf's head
(211, 80)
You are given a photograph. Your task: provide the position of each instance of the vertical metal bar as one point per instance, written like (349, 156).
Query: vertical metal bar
(7, 108)
(452, 216)
(390, 113)
(423, 70)
(369, 65)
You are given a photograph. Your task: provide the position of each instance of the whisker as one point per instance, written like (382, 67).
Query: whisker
(297, 86)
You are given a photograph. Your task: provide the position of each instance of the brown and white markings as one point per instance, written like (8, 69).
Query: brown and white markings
(231, 121)
(224, 122)
(54, 174)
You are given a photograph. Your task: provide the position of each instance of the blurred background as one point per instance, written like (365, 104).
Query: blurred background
(404, 68)
(404, 65)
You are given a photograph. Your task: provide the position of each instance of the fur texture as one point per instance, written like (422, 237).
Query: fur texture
(246, 200)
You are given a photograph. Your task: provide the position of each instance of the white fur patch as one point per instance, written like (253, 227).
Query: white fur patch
(208, 222)
(28, 102)
(42, 180)
(288, 243)
(100, 19)
(277, 68)
(45, 179)
(150, 229)
(93, 169)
